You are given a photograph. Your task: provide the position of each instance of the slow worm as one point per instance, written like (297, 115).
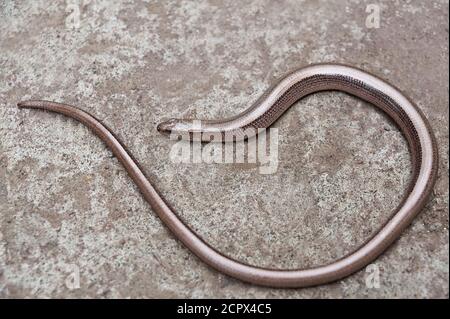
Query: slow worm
(262, 114)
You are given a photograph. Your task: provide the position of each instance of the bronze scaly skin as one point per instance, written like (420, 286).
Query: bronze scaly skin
(262, 114)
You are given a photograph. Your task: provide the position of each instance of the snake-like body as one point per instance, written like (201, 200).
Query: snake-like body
(262, 114)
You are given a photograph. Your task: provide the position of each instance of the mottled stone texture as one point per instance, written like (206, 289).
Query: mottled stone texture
(67, 204)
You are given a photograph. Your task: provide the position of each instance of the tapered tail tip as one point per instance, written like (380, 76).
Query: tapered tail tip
(34, 104)
(29, 104)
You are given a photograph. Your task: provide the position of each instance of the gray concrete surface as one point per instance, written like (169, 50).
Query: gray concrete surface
(68, 208)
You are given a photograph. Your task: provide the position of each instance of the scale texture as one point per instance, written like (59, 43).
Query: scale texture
(343, 165)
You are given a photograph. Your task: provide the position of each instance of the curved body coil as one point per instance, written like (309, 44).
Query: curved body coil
(262, 114)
